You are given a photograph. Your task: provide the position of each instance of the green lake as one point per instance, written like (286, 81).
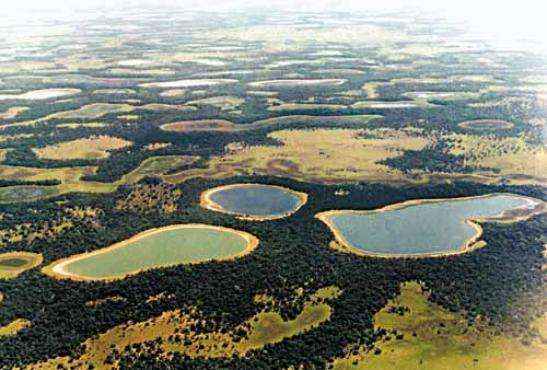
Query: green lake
(162, 247)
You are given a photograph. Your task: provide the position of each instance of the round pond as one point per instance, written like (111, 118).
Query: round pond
(253, 201)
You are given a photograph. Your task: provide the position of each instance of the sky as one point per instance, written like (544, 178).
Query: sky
(505, 17)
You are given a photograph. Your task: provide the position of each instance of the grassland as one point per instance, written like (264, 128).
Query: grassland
(189, 83)
(157, 166)
(284, 84)
(389, 104)
(322, 155)
(14, 327)
(12, 112)
(156, 107)
(173, 93)
(292, 107)
(266, 327)
(162, 247)
(14, 263)
(226, 102)
(95, 147)
(63, 174)
(199, 125)
(91, 111)
(486, 125)
(41, 94)
(277, 38)
(71, 181)
(507, 156)
(76, 125)
(434, 338)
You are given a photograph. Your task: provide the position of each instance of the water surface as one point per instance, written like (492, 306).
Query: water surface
(166, 247)
(256, 200)
(426, 228)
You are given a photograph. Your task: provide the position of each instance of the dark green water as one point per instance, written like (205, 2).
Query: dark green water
(13, 262)
(257, 200)
(437, 227)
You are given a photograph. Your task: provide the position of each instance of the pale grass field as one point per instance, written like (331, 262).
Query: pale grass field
(12, 112)
(337, 155)
(443, 347)
(267, 327)
(189, 83)
(95, 147)
(41, 94)
(509, 155)
(272, 84)
(14, 327)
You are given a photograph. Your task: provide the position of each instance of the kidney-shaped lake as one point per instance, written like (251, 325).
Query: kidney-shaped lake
(424, 227)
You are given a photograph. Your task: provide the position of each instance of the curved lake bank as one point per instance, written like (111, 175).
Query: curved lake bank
(162, 247)
(256, 202)
(425, 227)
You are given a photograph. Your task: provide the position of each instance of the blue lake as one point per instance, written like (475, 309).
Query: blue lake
(424, 228)
(256, 200)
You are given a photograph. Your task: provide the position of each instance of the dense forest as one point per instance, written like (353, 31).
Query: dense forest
(293, 253)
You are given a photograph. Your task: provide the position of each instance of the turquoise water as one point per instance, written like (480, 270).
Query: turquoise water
(256, 200)
(437, 227)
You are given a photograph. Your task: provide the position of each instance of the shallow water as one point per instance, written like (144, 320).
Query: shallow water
(256, 200)
(169, 247)
(437, 227)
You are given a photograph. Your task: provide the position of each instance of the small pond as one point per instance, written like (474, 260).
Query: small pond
(253, 201)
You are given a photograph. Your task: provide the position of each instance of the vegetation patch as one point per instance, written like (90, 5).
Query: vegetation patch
(255, 202)
(320, 155)
(486, 125)
(227, 102)
(155, 248)
(436, 95)
(307, 107)
(167, 107)
(284, 84)
(418, 333)
(189, 83)
(519, 157)
(404, 229)
(14, 327)
(173, 93)
(114, 92)
(95, 147)
(14, 263)
(173, 332)
(12, 112)
(41, 94)
(63, 174)
(388, 104)
(91, 111)
(80, 125)
(199, 125)
(157, 166)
